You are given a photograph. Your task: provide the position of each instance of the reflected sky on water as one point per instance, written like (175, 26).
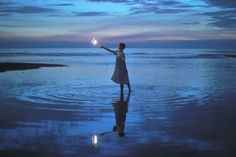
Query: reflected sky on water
(182, 103)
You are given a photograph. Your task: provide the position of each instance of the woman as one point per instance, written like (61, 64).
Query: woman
(120, 74)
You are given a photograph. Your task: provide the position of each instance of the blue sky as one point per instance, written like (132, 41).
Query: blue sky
(147, 23)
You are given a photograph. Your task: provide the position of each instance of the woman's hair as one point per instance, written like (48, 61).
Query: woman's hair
(122, 46)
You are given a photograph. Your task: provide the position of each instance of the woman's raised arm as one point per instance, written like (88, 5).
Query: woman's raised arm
(107, 49)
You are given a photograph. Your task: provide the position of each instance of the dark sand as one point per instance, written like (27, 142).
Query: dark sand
(25, 66)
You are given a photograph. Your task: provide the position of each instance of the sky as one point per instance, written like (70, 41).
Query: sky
(139, 23)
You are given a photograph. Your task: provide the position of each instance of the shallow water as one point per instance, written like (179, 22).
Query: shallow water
(182, 103)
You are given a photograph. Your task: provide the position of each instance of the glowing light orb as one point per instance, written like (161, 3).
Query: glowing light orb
(94, 41)
(95, 140)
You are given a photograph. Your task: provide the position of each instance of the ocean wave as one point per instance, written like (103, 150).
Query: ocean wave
(197, 56)
(130, 54)
(52, 54)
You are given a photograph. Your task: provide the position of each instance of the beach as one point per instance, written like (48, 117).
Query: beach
(53, 102)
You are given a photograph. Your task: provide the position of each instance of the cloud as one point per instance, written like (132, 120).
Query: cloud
(191, 23)
(91, 13)
(147, 36)
(156, 10)
(153, 6)
(166, 3)
(226, 23)
(112, 1)
(222, 19)
(159, 3)
(27, 10)
(222, 3)
(147, 2)
(142, 3)
(5, 3)
(64, 4)
(57, 15)
(170, 2)
(5, 14)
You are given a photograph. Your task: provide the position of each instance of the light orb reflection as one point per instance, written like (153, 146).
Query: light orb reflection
(95, 140)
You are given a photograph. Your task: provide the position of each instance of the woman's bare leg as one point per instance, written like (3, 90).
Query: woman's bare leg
(129, 87)
(121, 88)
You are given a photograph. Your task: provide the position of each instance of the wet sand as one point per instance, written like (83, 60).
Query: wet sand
(37, 129)
(25, 66)
(15, 113)
(180, 106)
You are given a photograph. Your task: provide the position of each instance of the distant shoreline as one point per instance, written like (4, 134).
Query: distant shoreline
(4, 67)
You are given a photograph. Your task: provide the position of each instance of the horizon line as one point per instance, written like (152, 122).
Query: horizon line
(217, 43)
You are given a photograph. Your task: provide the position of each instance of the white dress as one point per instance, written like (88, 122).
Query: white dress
(120, 74)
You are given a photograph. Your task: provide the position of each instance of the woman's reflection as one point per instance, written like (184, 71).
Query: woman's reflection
(120, 109)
